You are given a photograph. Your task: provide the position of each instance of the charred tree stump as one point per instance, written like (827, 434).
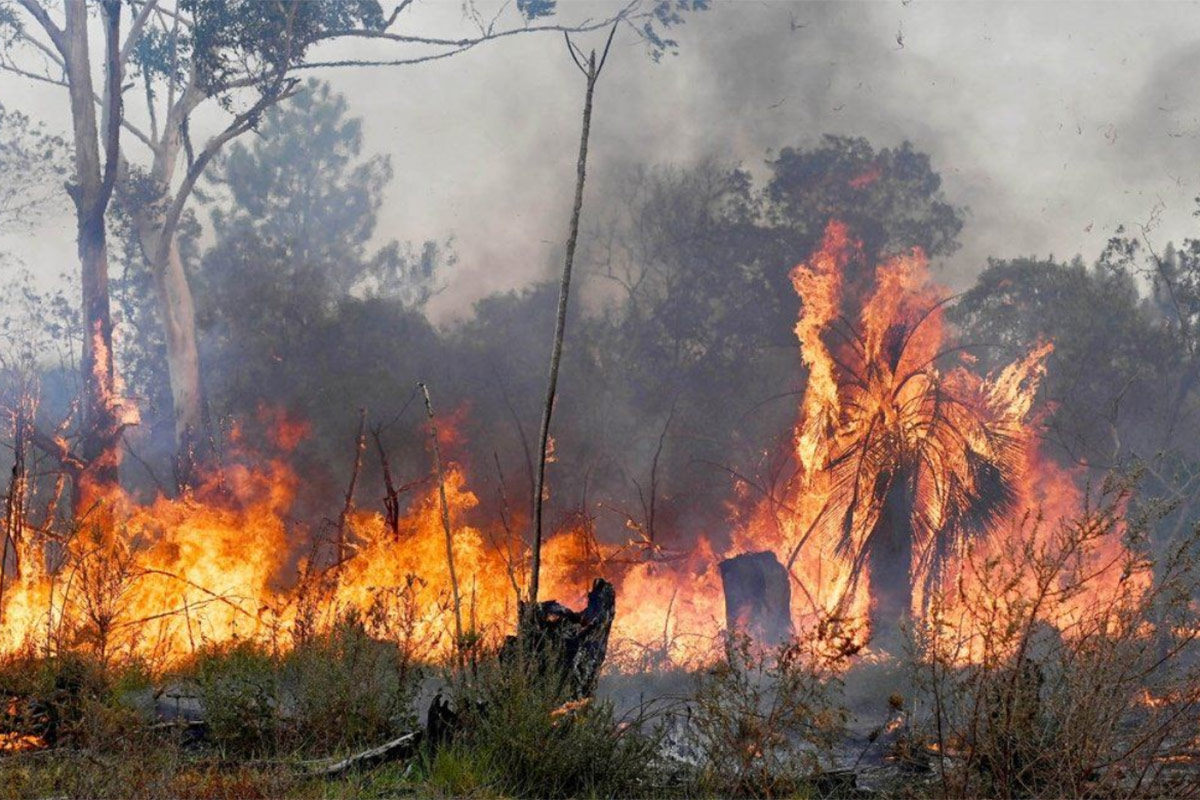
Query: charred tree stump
(758, 598)
(569, 644)
(556, 643)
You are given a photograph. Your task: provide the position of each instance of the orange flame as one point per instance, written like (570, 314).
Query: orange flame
(159, 580)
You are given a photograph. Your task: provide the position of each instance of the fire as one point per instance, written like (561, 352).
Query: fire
(902, 452)
(20, 742)
(906, 458)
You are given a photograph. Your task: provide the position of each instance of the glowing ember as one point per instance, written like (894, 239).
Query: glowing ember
(20, 743)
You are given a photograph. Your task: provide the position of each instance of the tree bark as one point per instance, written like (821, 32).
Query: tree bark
(569, 645)
(890, 562)
(445, 509)
(177, 311)
(91, 193)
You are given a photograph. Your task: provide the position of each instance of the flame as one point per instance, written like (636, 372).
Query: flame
(12, 742)
(884, 397)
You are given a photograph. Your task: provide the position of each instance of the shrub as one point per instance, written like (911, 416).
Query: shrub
(348, 688)
(521, 729)
(1071, 673)
(337, 688)
(69, 699)
(237, 684)
(767, 719)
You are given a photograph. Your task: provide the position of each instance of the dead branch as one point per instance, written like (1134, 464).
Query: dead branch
(591, 74)
(506, 554)
(437, 464)
(360, 445)
(391, 500)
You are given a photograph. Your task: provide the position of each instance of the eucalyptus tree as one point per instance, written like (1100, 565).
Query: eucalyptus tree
(239, 57)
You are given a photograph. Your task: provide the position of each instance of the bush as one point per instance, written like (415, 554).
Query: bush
(1073, 672)
(521, 730)
(334, 689)
(238, 687)
(767, 719)
(347, 688)
(71, 699)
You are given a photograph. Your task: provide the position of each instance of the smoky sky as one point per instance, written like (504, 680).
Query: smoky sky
(1053, 122)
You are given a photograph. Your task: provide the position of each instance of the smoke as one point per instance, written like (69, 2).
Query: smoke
(1038, 117)
(1053, 123)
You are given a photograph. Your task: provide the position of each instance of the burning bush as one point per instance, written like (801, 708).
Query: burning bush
(1030, 693)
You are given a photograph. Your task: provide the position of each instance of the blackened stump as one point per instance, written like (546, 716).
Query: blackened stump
(571, 644)
(758, 598)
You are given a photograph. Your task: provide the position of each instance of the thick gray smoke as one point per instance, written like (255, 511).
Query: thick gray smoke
(1053, 122)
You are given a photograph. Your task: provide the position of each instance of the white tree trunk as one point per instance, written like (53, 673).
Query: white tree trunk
(177, 310)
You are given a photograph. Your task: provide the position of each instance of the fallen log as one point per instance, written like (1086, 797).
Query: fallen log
(758, 598)
(402, 747)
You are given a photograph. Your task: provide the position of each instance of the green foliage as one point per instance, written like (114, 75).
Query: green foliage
(239, 690)
(335, 689)
(304, 190)
(348, 688)
(231, 37)
(521, 730)
(460, 771)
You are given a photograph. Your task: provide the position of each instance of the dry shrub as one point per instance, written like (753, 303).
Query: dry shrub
(767, 719)
(1081, 677)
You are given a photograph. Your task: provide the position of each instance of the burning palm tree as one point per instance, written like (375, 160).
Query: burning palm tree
(905, 457)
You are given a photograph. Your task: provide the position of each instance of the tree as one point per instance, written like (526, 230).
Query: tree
(95, 147)
(242, 57)
(591, 74)
(1101, 379)
(694, 261)
(33, 164)
(296, 307)
(892, 198)
(304, 187)
(1120, 382)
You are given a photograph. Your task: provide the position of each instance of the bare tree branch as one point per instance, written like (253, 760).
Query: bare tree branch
(53, 31)
(560, 322)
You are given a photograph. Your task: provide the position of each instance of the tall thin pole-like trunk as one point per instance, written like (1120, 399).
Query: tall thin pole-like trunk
(591, 73)
(177, 310)
(437, 465)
